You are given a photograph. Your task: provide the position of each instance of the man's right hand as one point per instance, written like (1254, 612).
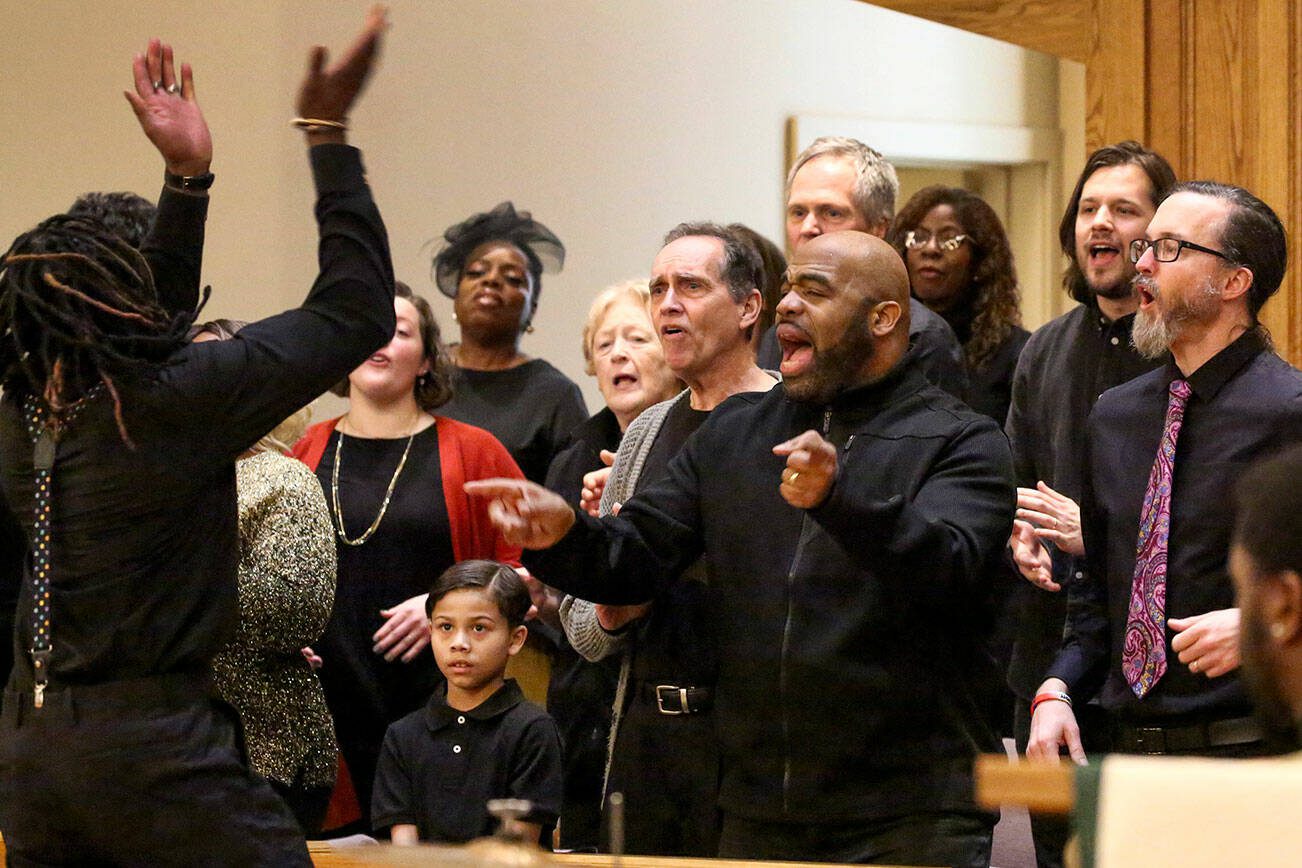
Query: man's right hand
(167, 111)
(524, 513)
(1053, 726)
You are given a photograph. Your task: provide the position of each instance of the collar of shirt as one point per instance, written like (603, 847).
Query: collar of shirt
(1217, 371)
(439, 714)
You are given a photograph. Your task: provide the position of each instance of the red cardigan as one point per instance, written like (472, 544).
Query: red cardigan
(465, 453)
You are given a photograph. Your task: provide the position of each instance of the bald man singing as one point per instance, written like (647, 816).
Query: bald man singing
(847, 519)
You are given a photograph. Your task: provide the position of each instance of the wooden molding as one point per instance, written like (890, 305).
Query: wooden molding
(1057, 27)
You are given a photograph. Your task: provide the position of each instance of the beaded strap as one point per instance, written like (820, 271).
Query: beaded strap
(44, 429)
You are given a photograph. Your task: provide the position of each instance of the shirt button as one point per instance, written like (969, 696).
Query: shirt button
(461, 718)
(1079, 574)
(456, 748)
(1115, 341)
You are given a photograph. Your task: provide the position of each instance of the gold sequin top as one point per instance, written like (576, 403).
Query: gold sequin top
(287, 587)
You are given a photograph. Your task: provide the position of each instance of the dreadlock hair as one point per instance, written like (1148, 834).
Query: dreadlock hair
(78, 308)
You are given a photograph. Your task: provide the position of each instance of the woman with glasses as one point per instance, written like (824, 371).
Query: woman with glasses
(961, 267)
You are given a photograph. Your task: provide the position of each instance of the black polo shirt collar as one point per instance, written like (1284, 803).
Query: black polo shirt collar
(439, 714)
(1220, 368)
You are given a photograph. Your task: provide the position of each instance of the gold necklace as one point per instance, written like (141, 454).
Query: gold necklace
(334, 492)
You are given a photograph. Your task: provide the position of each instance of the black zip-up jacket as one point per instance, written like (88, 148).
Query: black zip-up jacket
(850, 634)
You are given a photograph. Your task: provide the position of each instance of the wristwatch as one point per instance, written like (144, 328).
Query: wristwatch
(189, 183)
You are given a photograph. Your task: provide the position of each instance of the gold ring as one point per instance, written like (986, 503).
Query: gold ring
(1193, 666)
(795, 474)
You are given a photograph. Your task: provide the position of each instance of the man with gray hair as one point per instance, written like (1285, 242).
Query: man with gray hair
(664, 757)
(840, 183)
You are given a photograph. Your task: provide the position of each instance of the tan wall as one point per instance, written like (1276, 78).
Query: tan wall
(611, 121)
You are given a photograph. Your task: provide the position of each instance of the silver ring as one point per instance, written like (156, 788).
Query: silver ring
(158, 85)
(173, 88)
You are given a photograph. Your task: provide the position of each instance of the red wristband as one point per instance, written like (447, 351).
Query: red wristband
(1056, 696)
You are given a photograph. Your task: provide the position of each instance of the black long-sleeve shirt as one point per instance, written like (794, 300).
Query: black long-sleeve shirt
(847, 634)
(1246, 404)
(144, 546)
(1064, 368)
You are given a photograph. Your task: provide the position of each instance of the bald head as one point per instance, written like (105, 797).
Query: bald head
(844, 320)
(866, 263)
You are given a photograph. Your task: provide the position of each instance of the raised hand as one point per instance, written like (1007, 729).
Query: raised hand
(1055, 516)
(328, 94)
(167, 110)
(811, 469)
(524, 513)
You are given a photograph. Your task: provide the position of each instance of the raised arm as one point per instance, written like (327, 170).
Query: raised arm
(170, 117)
(274, 366)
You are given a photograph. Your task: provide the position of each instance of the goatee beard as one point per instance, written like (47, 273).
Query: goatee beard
(1150, 334)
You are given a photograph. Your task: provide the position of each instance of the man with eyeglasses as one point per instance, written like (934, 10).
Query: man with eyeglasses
(840, 183)
(1153, 621)
(1064, 368)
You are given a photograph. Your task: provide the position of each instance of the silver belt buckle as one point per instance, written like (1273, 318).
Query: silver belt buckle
(660, 698)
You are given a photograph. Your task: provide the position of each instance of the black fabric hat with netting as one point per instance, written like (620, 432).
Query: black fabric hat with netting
(539, 245)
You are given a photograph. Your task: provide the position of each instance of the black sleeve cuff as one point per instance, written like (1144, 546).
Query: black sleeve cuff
(337, 169)
(178, 214)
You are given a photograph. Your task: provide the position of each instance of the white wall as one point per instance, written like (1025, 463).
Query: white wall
(611, 121)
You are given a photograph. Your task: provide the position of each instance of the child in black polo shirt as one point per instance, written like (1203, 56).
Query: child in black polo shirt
(477, 739)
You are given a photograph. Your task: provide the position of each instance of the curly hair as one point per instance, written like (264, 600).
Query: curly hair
(992, 293)
(79, 309)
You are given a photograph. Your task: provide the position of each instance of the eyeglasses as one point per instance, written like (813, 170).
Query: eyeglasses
(1168, 249)
(916, 239)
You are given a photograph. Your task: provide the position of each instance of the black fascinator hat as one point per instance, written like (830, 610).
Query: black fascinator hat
(540, 246)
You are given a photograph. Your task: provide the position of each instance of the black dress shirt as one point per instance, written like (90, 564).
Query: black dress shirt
(1064, 368)
(144, 541)
(1246, 404)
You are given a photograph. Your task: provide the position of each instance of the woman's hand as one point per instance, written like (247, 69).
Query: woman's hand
(328, 94)
(405, 632)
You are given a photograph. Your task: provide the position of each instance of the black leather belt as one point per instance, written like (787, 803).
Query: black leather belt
(672, 699)
(1186, 739)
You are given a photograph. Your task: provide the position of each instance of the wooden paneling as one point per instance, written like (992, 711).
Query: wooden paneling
(1115, 72)
(1213, 85)
(1057, 27)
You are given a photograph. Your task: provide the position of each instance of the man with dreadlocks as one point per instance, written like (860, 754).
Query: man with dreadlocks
(117, 448)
